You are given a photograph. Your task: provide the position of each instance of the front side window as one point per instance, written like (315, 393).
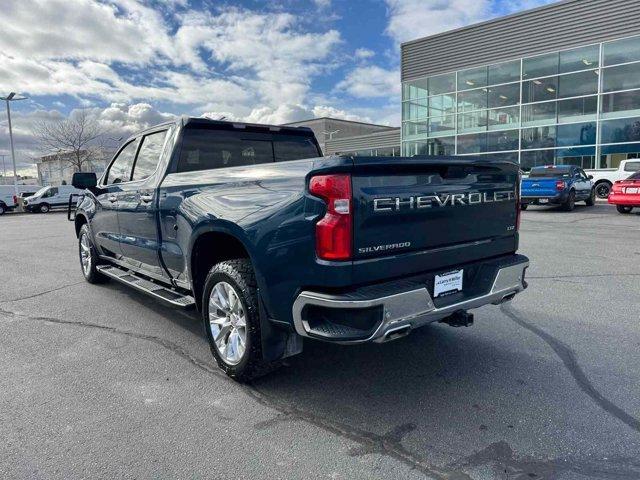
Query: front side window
(149, 155)
(120, 170)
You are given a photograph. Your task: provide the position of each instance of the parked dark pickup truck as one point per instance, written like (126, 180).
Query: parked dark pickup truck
(273, 242)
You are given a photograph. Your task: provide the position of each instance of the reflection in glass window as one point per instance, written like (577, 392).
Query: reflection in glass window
(540, 90)
(620, 130)
(472, 100)
(472, 122)
(412, 129)
(621, 51)
(535, 158)
(577, 109)
(578, 59)
(583, 157)
(576, 84)
(415, 109)
(415, 89)
(149, 155)
(576, 134)
(539, 137)
(442, 104)
(624, 77)
(474, 143)
(472, 78)
(504, 72)
(120, 170)
(504, 95)
(442, 84)
(441, 125)
(503, 118)
(540, 66)
(539, 113)
(502, 140)
(433, 146)
(623, 103)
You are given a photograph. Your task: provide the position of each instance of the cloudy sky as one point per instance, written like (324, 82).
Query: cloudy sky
(133, 63)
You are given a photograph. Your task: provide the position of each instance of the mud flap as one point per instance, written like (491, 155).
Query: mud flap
(277, 342)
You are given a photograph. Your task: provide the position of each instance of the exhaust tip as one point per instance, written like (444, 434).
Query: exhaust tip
(396, 333)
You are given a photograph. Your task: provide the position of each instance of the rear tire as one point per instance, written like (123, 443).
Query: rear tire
(591, 201)
(570, 204)
(44, 208)
(524, 206)
(3, 209)
(231, 319)
(603, 189)
(89, 259)
(623, 209)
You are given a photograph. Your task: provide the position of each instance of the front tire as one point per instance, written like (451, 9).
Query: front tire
(524, 206)
(231, 320)
(44, 208)
(3, 209)
(623, 209)
(570, 204)
(89, 258)
(591, 201)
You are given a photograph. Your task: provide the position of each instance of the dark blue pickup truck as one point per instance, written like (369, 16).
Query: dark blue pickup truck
(557, 185)
(272, 242)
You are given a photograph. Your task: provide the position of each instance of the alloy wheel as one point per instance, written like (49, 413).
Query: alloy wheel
(85, 254)
(228, 323)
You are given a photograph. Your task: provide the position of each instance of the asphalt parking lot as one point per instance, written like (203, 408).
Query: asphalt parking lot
(100, 381)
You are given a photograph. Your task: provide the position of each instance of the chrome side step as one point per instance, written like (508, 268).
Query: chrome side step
(156, 290)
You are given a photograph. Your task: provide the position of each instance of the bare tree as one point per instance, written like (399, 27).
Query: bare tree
(77, 139)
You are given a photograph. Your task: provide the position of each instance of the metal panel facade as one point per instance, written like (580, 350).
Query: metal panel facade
(390, 138)
(554, 27)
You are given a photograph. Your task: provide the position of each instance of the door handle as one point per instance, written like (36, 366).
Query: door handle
(146, 197)
(112, 198)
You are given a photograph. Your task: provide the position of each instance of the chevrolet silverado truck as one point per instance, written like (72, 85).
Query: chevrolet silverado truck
(273, 243)
(557, 185)
(604, 178)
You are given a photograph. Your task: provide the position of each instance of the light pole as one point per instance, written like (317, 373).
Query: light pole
(4, 169)
(12, 98)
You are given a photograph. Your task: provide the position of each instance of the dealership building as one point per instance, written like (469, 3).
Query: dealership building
(557, 84)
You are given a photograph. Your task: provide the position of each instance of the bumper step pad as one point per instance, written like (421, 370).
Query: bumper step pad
(159, 292)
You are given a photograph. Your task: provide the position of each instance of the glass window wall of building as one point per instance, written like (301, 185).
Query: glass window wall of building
(579, 106)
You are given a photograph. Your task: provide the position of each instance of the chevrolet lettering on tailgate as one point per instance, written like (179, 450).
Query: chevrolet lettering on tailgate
(388, 204)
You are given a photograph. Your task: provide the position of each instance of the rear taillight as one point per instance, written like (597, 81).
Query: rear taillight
(333, 231)
(560, 185)
(15, 199)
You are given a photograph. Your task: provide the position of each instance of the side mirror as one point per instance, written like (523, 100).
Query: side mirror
(590, 177)
(84, 180)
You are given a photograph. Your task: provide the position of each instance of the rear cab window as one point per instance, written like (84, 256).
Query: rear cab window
(207, 148)
(632, 167)
(550, 172)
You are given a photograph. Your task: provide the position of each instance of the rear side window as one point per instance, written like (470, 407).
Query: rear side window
(632, 167)
(149, 155)
(120, 170)
(204, 149)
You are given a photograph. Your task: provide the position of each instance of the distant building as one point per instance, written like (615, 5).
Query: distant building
(57, 169)
(344, 136)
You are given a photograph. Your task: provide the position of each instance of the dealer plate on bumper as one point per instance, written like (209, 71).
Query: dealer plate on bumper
(543, 200)
(450, 282)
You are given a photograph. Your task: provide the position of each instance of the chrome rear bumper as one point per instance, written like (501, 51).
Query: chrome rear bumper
(407, 310)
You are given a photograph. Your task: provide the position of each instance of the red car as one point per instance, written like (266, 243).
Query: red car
(625, 194)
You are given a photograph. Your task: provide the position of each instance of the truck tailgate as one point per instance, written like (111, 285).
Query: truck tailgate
(539, 187)
(416, 214)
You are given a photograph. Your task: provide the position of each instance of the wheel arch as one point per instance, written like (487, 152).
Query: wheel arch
(213, 243)
(80, 220)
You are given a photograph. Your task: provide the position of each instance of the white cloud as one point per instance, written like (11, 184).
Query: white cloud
(364, 53)
(371, 81)
(411, 19)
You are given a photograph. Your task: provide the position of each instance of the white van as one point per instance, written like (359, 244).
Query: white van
(49, 197)
(8, 199)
